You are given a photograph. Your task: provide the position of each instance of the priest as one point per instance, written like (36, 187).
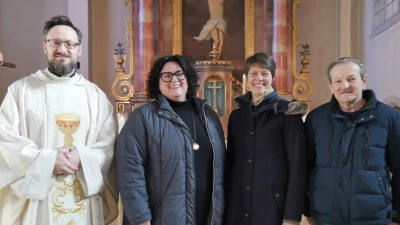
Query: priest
(57, 134)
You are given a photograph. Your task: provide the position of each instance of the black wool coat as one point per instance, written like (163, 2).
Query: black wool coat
(265, 167)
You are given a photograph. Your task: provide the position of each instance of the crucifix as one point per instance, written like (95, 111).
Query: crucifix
(6, 64)
(215, 87)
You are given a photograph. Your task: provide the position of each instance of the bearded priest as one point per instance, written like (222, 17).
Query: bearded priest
(57, 134)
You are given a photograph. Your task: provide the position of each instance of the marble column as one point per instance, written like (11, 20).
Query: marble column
(279, 46)
(143, 40)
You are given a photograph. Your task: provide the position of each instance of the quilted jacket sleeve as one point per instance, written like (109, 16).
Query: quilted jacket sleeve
(131, 158)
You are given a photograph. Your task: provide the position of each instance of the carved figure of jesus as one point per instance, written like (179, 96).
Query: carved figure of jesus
(215, 27)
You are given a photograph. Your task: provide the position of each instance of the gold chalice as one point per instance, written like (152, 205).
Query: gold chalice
(68, 124)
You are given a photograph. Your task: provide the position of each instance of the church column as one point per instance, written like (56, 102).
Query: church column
(279, 45)
(143, 42)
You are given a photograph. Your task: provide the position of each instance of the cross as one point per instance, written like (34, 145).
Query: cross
(215, 87)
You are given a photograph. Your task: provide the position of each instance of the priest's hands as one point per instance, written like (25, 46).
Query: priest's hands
(73, 156)
(146, 223)
(67, 161)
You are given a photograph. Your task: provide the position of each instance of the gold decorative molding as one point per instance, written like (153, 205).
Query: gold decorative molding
(120, 106)
(235, 82)
(211, 65)
(177, 27)
(302, 88)
(213, 62)
(249, 28)
(212, 78)
(124, 81)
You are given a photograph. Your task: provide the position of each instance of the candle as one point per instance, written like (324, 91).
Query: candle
(121, 122)
(244, 83)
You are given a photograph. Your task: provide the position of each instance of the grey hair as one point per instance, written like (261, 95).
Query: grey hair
(346, 60)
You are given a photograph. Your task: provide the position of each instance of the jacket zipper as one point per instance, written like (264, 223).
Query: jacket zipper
(193, 159)
(366, 146)
(209, 137)
(330, 146)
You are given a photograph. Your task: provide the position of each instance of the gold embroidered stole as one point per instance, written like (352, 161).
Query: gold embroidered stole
(67, 119)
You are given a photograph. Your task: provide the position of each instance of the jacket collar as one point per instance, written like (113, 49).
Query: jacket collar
(165, 110)
(366, 113)
(163, 102)
(246, 99)
(367, 95)
(273, 102)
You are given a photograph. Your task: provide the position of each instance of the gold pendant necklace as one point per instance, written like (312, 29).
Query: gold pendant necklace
(194, 144)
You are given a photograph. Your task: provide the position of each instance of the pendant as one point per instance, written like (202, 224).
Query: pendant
(196, 146)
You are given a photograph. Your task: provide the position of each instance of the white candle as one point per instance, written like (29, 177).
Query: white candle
(121, 122)
(244, 83)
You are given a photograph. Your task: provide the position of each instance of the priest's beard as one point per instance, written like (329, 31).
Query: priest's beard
(60, 69)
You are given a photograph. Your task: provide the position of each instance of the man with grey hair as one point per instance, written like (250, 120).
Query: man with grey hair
(57, 134)
(353, 145)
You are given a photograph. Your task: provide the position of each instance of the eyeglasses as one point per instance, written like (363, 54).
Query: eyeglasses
(67, 44)
(167, 76)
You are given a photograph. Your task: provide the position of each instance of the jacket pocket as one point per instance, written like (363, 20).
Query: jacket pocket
(279, 194)
(384, 186)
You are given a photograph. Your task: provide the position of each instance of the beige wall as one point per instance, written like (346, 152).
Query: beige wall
(21, 40)
(102, 23)
(333, 29)
(318, 27)
(107, 26)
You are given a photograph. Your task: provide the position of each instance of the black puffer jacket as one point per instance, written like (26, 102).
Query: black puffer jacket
(155, 165)
(349, 162)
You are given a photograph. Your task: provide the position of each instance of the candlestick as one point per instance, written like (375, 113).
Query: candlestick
(121, 123)
(244, 83)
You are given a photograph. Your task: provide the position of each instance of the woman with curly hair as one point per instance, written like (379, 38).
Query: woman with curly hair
(170, 153)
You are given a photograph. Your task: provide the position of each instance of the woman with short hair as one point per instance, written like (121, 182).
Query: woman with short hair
(266, 154)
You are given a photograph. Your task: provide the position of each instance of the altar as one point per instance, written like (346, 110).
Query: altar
(168, 27)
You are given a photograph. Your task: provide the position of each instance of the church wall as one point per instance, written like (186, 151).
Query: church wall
(103, 24)
(21, 36)
(107, 26)
(382, 57)
(319, 26)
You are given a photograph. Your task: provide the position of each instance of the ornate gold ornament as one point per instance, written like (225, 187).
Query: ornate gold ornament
(123, 81)
(177, 27)
(249, 28)
(68, 124)
(63, 189)
(302, 88)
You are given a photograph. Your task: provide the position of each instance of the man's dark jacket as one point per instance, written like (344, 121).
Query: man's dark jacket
(155, 165)
(349, 181)
(265, 163)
